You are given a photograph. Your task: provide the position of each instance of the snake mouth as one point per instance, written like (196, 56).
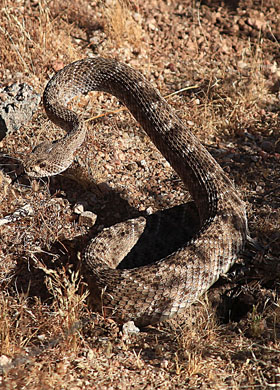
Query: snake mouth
(43, 169)
(38, 175)
(43, 161)
(36, 172)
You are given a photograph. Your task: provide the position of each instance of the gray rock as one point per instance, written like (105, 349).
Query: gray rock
(129, 328)
(18, 102)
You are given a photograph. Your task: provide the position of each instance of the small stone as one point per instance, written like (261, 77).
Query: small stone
(143, 163)
(164, 363)
(149, 210)
(4, 360)
(242, 65)
(87, 218)
(258, 23)
(57, 65)
(121, 156)
(130, 328)
(90, 354)
(78, 208)
(152, 26)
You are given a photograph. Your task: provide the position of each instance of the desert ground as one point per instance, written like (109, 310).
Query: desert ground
(220, 62)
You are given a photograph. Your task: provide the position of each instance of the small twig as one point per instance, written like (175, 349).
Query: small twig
(18, 214)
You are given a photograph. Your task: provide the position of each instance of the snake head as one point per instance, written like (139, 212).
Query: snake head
(46, 160)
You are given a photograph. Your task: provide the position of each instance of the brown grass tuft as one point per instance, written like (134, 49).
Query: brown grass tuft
(31, 44)
(124, 25)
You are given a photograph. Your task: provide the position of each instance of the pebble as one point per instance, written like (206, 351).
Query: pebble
(143, 163)
(130, 328)
(87, 218)
(78, 208)
(4, 360)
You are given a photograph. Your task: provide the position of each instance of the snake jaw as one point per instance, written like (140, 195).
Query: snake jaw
(43, 162)
(36, 170)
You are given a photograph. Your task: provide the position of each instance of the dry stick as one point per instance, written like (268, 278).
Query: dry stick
(18, 214)
(124, 108)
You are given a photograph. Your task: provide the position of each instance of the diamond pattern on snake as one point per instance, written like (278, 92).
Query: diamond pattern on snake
(155, 290)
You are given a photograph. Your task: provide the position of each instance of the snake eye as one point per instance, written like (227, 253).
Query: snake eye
(42, 164)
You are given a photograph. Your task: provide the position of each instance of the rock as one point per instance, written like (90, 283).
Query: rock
(18, 102)
(87, 218)
(130, 328)
(5, 362)
(149, 210)
(79, 207)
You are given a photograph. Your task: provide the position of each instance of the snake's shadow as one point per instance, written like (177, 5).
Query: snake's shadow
(166, 231)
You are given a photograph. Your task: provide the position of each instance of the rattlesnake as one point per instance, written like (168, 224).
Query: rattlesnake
(160, 289)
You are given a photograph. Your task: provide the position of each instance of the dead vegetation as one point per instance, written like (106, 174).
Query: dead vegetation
(228, 53)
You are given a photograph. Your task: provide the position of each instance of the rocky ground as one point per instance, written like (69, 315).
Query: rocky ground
(224, 55)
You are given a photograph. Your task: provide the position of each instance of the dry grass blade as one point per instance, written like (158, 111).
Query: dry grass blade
(124, 108)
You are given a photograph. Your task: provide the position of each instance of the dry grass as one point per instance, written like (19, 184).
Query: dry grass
(48, 337)
(124, 26)
(30, 44)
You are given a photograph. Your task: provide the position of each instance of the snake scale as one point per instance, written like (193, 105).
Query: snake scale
(159, 290)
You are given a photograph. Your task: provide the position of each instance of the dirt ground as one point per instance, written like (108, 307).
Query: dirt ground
(225, 55)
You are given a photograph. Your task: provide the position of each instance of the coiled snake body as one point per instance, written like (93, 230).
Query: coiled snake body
(156, 291)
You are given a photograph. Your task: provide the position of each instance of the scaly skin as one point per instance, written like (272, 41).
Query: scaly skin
(159, 290)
